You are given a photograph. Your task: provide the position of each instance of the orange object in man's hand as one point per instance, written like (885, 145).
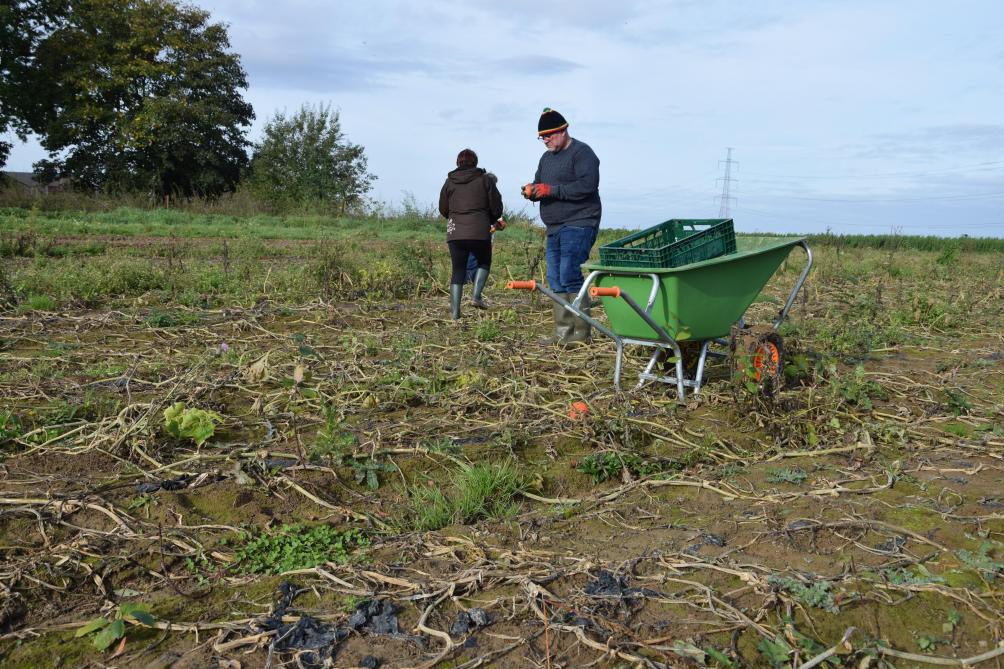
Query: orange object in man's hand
(536, 192)
(540, 191)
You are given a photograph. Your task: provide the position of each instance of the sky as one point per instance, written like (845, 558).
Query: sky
(855, 116)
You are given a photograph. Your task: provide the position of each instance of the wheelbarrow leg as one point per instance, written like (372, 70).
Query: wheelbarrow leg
(617, 364)
(699, 374)
(647, 374)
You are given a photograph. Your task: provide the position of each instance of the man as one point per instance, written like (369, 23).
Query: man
(567, 186)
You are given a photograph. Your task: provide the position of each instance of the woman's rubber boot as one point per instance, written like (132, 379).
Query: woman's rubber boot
(563, 322)
(456, 294)
(479, 285)
(581, 331)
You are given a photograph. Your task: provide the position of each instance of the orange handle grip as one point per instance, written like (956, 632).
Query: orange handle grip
(612, 291)
(522, 285)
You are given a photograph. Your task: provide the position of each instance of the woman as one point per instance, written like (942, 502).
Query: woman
(471, 202)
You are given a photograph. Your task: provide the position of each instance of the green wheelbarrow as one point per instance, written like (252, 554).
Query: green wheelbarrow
(690, 309)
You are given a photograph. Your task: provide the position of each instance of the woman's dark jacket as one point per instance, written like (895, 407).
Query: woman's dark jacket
(471, 202)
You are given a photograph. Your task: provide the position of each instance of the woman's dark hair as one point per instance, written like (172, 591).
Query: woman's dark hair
(467, 158)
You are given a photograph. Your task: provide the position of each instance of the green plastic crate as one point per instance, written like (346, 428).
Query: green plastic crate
(672, 243)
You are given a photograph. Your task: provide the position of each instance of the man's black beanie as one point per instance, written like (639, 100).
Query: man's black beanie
(550, 122)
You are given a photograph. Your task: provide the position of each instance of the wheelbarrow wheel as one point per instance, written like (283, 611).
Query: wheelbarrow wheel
(762, 365)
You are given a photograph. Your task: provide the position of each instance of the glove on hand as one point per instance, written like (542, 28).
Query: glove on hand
(499, 224)
(536, 192)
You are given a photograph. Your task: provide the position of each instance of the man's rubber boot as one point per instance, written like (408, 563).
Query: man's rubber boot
(563, 322)
(479, 285)
(456, 294)
(581, 331)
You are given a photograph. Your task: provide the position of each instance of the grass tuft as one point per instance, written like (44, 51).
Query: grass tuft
(476, 492)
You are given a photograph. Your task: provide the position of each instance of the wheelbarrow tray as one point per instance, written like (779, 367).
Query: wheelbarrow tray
(698, 301)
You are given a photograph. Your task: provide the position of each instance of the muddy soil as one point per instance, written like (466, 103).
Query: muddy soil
(859, 509)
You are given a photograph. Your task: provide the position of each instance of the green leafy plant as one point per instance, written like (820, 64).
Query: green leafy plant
(956, 402)
(730, 470)
(904, 576)
(332, 440)
(198, 425)
(817, 594)
(159, 319)
(610, 464)
(856, 389)
(298, 547)
(488, 331)
(719, 657)
(106, 631)
(776, 651)
(10, 425)
(952, 620)
(786, 475)
(367, 471)
(982, 561)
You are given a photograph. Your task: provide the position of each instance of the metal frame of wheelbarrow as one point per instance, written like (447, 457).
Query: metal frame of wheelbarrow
(665, 342)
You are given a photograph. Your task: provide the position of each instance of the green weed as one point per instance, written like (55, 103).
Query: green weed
(198, 425)
(610, 464)
(36, 302)
(855, 388)
(904, 576)
(367, 471)
(957, 402)
(333, 441)
(476, 492)
(982, 561)
(298, 547)
(488, 331)
(794, 475)
(817, 594)
(106, 631)
(10, 425)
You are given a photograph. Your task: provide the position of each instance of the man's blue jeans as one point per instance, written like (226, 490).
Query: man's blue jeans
(566, 250)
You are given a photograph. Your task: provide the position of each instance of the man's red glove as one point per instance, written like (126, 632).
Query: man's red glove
(536, 192)
(498, 225)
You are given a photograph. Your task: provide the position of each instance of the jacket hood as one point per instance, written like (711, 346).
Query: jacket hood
(465, 175)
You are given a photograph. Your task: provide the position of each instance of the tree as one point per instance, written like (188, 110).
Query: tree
(306, 159)
(134, 95)
(21, 25)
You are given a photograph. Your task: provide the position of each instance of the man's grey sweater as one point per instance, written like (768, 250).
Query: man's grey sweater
(574, 176)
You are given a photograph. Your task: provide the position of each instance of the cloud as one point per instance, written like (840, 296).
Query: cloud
(541, 65)
(332, 73)
(936, 141)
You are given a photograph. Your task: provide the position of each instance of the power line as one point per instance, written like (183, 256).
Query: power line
(816, 219)
(877, 175)
(890, 199)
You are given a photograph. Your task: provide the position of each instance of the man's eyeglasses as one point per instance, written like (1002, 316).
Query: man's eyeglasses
(544, 138)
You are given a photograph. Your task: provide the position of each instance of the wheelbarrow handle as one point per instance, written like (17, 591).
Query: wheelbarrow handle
(612, 291)
(522, 285)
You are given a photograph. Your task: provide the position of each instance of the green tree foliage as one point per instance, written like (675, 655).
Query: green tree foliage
(305, 159)
(21, 25)
(131, 95)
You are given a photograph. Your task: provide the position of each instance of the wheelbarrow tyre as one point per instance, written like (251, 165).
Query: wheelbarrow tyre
(766, 355)
(758, 359)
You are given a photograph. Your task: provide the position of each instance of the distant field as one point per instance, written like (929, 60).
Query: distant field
(199, 408)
